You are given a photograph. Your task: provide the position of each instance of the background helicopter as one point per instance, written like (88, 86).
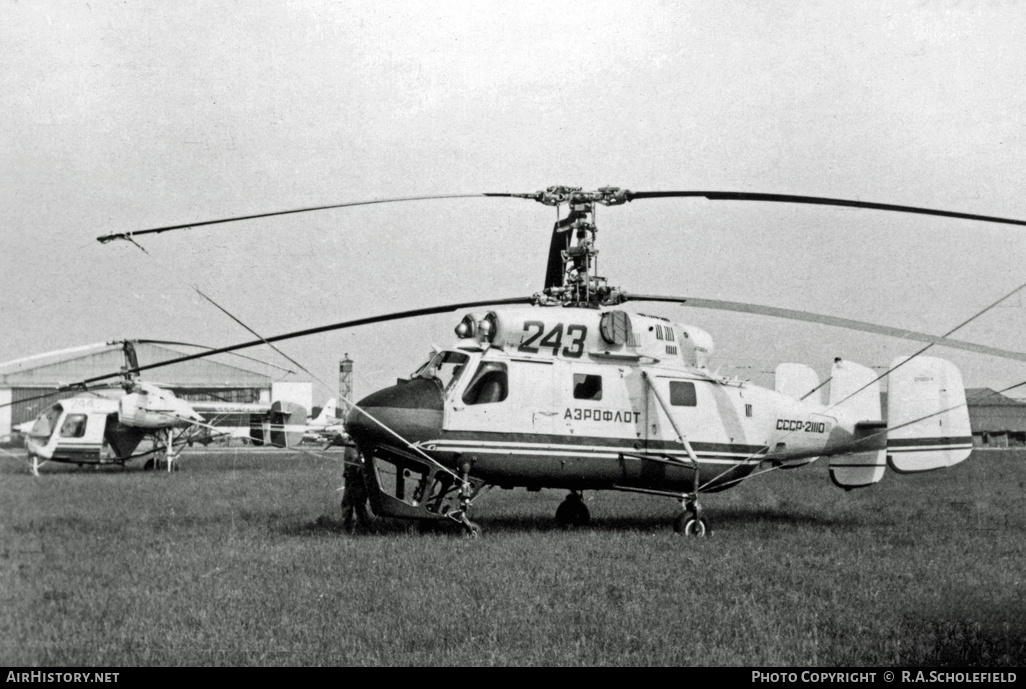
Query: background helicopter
(141, 420)
(424, 464)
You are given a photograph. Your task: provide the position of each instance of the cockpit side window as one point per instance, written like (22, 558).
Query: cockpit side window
(74, 426)
(489, 386)
(445, 367)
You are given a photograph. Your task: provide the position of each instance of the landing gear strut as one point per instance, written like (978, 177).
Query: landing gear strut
(572, 511)
(466, 496)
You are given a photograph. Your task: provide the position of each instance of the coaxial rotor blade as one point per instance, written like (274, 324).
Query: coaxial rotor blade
(399, 315)
(185, 226)
(815, 200)
(85, 385)
(862, 326)
(615, 196)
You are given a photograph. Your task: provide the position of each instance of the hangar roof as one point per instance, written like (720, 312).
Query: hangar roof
(992, 412)
(66, 368)
(986, 397)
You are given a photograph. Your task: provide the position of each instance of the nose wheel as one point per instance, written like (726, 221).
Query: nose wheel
(572, 511)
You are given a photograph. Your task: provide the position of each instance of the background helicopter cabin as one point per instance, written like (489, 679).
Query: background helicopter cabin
(22, 384)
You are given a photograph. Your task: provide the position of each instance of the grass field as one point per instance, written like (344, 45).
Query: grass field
(239, 559)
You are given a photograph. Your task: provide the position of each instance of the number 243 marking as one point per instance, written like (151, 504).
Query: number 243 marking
(554, 339)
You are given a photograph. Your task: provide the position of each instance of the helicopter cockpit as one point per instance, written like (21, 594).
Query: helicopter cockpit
(487, 384)
(46, 423)
(444, 367)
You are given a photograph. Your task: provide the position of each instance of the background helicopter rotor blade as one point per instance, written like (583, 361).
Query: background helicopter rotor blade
(220, 221)
(861, 326)
(815, 200)
(91, 389)
(56, 352)
(199, 346)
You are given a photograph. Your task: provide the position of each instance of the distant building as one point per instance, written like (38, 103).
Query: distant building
(199, 379)
(996, 420)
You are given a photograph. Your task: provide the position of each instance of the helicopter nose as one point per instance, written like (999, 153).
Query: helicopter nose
(410, 409)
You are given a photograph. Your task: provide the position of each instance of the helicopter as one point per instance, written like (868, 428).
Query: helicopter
(138, 419)
(565, 389)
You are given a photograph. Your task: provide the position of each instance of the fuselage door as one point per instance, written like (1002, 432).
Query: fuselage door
(503, 396)
(80, 435)
(601, 401)
(701, 411)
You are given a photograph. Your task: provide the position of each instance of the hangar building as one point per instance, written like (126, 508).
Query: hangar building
(996, 420)
(199, 379)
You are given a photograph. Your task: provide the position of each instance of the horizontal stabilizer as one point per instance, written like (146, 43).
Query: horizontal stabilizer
(861, 469)
(858, 470)
(926, 415)
(797, 381)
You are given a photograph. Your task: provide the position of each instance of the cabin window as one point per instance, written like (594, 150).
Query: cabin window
(489, 386)
(74, 426)
(587, 387)
(682, 394)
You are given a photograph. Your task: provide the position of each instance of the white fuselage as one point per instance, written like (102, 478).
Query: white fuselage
(581, 399)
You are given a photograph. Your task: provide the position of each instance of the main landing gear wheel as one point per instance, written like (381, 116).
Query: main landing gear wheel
(573, 511)
(687, 524)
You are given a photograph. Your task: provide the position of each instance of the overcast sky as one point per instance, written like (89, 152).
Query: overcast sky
(123, 116)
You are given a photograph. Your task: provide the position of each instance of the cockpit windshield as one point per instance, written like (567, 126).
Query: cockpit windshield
(445, 367)
(46, 423)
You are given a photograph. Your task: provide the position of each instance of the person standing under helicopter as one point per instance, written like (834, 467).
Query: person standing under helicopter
(354, 492)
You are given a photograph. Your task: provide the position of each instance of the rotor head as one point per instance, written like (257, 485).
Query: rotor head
(570, 277)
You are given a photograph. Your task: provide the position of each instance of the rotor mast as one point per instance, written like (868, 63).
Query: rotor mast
(571, 278)
(129, 370)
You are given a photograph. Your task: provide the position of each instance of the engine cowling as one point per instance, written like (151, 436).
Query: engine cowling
(154, 408)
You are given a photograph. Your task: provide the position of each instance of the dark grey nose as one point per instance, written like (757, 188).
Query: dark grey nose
(408, 412)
